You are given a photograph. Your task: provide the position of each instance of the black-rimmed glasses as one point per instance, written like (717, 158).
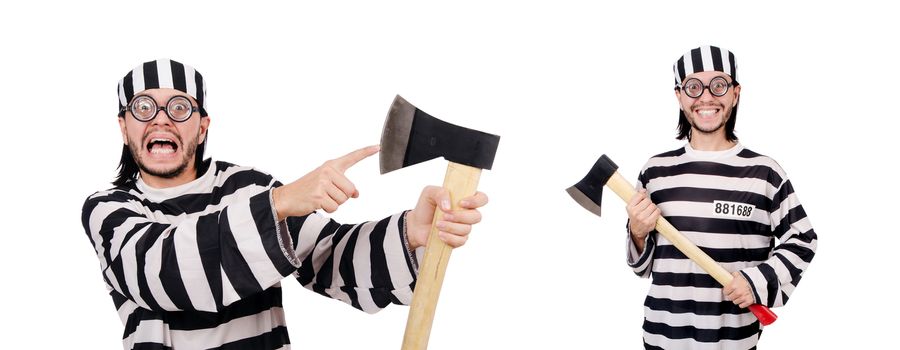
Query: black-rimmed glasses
(144, 108)
(693, 87)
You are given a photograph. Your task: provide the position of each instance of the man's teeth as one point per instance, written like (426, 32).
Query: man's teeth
(162, 150)
(161, 146)
(706, 112)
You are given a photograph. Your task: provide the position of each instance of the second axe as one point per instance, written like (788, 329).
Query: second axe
(589, 191)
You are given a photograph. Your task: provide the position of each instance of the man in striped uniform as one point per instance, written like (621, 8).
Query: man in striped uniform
(738, 206)
(193, 251)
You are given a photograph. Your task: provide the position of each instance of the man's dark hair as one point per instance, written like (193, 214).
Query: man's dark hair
(684, 126)
(128, 168)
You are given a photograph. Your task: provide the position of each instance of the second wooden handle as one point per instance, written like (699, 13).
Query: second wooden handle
(624, 189)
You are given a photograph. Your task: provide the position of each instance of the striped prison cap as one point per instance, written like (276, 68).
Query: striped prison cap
(705, 59)
(160, 74)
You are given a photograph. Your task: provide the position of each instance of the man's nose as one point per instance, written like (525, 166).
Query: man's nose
(706, 95)
(161, 118)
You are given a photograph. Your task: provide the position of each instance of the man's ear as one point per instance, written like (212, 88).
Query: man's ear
(737, 95)
(204, 126)
(123, 129)
(678, 98)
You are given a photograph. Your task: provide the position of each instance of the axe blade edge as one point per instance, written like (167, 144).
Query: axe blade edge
(583, 200)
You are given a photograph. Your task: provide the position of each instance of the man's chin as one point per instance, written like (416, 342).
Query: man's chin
(705, 129)
(709, 130)
(165, 172)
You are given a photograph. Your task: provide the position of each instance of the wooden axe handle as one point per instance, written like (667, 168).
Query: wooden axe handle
(461, 181)
(625, 190)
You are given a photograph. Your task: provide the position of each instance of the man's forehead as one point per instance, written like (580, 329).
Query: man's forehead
(707, 75)
(164, 94)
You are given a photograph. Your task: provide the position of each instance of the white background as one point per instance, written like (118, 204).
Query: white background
(293, 84)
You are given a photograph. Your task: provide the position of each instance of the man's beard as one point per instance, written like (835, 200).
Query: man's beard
(189, 150)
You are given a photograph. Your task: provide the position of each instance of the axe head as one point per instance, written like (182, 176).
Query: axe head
(411, 136)
(589, 191)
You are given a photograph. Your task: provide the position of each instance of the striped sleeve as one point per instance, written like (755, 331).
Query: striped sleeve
(640, 263)
(205, 261)
(365, 265)
(774, 280)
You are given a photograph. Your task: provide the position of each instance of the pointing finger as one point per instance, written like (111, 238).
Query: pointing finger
(343, 163)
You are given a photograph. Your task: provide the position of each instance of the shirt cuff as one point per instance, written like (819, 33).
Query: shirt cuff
(414, 256)
(285, 242)
(633, 255)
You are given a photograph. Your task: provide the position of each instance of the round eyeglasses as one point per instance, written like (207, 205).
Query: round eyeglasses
(144, 108)
(693, 87)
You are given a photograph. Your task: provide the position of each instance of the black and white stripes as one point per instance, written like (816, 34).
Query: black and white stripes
(705, 59)
(159, 74)
(768, 239)
(199, 266)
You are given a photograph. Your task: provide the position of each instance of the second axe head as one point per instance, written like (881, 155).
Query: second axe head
(589, 191)
(411, 136)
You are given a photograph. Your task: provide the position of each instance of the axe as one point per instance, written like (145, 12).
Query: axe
(588, 193)
(411, 136)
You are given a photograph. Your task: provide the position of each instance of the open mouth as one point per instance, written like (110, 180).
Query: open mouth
(162, 146)
(706, 112)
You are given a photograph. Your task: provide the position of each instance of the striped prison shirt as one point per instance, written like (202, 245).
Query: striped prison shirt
(198, 266)
(740, 208)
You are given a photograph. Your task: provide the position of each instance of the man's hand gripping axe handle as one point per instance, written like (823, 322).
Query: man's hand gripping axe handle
(588, 193)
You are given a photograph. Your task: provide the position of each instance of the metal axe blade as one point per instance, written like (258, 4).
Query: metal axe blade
(411, 136)
(589, 191)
